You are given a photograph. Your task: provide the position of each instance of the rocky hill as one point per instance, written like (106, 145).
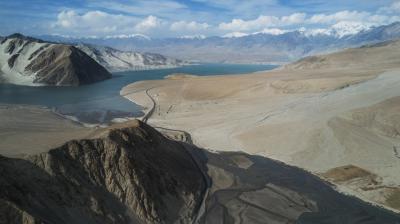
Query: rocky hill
(29, 61)
(130, 174)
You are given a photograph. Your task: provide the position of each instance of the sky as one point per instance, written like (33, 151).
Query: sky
(192, 18)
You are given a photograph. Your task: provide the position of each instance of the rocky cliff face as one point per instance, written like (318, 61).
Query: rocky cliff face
(127, 175)
(29, 61)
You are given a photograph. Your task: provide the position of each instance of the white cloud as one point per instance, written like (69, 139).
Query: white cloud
(393, 8)
(351, 16)
(92, 22)
(338, 17)
(243, 25)
(263, 22)
(98, 23)
(295, 18)
(172, 20)
(189, 29)
(148, 23)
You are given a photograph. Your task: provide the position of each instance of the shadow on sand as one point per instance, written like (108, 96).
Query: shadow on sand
(254, 189)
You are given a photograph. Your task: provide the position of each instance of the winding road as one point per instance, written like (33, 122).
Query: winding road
(151, 111)
(190, 152)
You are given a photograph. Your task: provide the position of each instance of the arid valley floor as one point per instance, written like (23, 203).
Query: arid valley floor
(334, 115)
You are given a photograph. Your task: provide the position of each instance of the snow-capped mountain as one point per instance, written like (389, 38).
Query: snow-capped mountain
(270, 46)
(29, 61)
(115, 60)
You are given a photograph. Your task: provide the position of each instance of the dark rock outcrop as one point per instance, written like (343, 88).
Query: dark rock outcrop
(11, 60)
(126, 175)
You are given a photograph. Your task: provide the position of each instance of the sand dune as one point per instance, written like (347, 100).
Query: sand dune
(320, 113)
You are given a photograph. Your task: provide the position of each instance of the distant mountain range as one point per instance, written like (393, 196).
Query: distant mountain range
(115, 60)
(30, 61)
(253, 48)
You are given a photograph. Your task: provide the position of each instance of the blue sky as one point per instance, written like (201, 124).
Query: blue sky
(185, 18)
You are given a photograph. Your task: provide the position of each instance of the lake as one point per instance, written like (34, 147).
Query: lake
(101, 102)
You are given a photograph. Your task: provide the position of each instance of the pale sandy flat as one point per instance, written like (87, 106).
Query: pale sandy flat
(30, 129)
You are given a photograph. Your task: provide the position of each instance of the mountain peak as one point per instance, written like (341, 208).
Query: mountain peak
(16, 35)
(22, 37)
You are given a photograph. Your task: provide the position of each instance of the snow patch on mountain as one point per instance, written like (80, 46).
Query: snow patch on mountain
(124, 36)
(193, 37)
(115, 60)
(344, 28)
(12, 66)
(235, 35)
(273, 31)
(318, 32)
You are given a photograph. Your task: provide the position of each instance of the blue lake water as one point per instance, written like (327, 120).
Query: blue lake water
(102, 98)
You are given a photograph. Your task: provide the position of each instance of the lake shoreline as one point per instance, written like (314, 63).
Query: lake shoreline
(103, 99)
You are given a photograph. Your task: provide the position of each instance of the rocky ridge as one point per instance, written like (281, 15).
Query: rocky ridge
(131, 174)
